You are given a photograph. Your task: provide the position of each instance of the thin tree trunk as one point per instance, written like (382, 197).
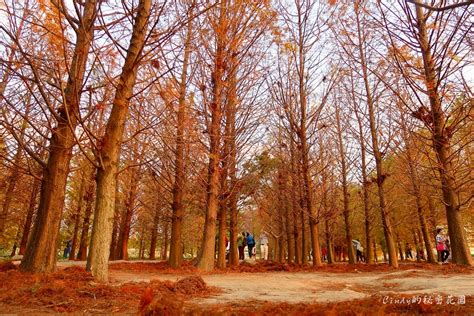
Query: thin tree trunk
(114, 251)
(375, 249)
(304, 247)
(387, 226)
(154, 234)
(369, 254)
(229, 168)
(176, 253)
(433, 221)
(224, 190)
(115, 248)
(415, 184)
(307, 181)
(14, 171)
(6, 74)
(127, 217)
(233, 212)
(29, 216)
(418, 246)
(288, 221)
(221, 246)
(89, 199)
(10, 186)
(345, 191)
(111, 142)
(15, 242)
(281, 222)
(114, 244)
(400, 250)
(41, 250)
(141, 251)
(294, 204)
(329, 243)
(164, 255)
(77, 219)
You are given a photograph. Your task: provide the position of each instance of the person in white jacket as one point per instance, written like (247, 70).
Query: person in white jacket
(263, 246)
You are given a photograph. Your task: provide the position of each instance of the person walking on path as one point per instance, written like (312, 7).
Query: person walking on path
(263, 246)
(250, 244)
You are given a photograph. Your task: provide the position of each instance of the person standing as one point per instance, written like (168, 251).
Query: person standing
(67, 250)
(241, 243)
(324, 253)
(263, 246)
(441, 245)
(359, 250)
(408, 253)
(250, 244)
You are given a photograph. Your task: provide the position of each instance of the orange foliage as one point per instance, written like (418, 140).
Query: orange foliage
(53, 24)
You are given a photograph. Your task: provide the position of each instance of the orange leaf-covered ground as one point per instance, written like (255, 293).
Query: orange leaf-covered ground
(73, 290)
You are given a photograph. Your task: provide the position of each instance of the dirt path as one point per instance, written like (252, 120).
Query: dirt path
(308, 287)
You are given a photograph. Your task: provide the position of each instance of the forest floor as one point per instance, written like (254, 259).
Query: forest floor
(262, 288)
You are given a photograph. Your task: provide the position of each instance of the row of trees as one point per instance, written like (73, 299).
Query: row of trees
(143, 119)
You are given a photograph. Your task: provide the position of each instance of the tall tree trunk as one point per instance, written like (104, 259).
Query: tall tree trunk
(223, 195)
(141, 251)
(415, 184)
(329, 244)
(114, 244)
(400, 250)
(127, 217)
(154, 234)
(111, 142)
(433, 221)
(221, 246)
(88, 200)
(288, 220)
(280, 255)
(369, 254)
(294, 205)
(375, 249)
(345, 191)
(306, 172)
(165, 223)
(441, 144)
(304, 246)
(228, 160)
(15, 242)
(14, 171)
(77, 219)
(229, 168)
(281, 241)
(29, 215)
(233, 219)
(41, 250)
(176, 253)
(6, 74)
(387, 225)
(10, 186)
(206, 257)
(418, 246)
